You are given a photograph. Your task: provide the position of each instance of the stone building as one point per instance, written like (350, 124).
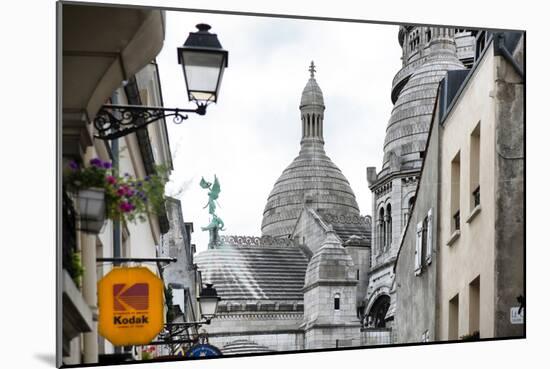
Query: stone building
(481, 206)
(296, 286)
(116, 66)
(428, 53)
(180, 276)
(459, 271)
(415, 267)
(322, 275)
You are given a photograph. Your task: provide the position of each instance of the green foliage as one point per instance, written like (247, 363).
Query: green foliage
(146, 355)
(470, 337)
(126, 197)
(77, 270)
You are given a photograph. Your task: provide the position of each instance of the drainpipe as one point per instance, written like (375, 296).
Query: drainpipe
(116, 224)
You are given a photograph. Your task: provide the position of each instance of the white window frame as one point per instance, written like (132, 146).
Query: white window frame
(429, 235)
(418, 250)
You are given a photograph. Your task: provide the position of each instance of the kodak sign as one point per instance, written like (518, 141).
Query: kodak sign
(131, 306)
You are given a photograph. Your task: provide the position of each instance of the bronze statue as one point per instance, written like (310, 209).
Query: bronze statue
(216, 223)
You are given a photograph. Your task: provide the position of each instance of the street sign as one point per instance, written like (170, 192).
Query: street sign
(515, 316)
(203, 350)
(131, 306)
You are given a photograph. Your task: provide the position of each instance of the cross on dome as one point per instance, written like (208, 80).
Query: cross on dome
(312, 70)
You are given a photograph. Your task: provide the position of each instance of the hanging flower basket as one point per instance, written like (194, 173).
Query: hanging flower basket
(102, 194)
(91, 209)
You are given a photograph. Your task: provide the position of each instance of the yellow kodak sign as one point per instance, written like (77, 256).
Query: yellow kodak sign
(131, 306)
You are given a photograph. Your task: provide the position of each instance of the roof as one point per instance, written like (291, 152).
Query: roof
(311, 174)
(244, 347)
(409, 123)
(351, 228)
(330, 263)
(311, 177)
(312, 94)
(249, 273)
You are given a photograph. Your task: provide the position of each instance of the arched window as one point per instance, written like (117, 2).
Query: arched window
(381, 230)
(388, 226)
(336, 301)
(308, 131)
(411, 203)
(318, 127)
(377, 314)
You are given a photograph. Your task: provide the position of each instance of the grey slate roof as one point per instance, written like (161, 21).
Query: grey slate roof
(312, 94)
(350, 228)
(244, 347)
(254, 273)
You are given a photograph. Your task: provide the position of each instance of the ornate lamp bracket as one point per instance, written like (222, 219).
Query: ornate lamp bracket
(115, 121)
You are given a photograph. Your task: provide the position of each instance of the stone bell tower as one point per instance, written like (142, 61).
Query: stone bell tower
(428, 53)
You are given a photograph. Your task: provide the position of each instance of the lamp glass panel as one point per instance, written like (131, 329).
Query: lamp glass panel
(208, 305)
(202, 71)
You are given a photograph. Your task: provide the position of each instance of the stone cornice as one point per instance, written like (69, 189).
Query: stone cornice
(261, 316)
(263, 241)
(387, 178)
(389, 262)
(257, 333)
(330, 282)
(314, 325)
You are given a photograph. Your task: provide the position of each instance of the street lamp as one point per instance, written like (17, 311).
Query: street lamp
(203, 61)
(208, 304)
(208, 301)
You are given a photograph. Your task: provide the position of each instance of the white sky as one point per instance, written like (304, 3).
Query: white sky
(249, 137)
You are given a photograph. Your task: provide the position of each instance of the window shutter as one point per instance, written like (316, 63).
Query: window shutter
(429, 246)
(418, 250)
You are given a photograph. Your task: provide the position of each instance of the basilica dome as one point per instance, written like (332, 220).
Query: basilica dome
(407, 130)
(311, 177)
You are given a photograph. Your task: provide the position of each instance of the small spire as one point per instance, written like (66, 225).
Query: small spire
(312, 70)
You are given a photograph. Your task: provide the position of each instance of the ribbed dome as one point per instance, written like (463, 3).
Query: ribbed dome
(244, 347)
(409, 123)
(311, 175)
(312, 94)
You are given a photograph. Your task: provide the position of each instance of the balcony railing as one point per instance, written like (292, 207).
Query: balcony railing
(475, 194)
(456, 218)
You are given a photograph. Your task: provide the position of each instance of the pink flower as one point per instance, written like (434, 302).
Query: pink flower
(126, 207)
(111, 180)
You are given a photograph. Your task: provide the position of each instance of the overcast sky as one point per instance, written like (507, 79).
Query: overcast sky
(249, 137)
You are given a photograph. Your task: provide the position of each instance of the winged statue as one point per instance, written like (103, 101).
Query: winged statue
(216, 224)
